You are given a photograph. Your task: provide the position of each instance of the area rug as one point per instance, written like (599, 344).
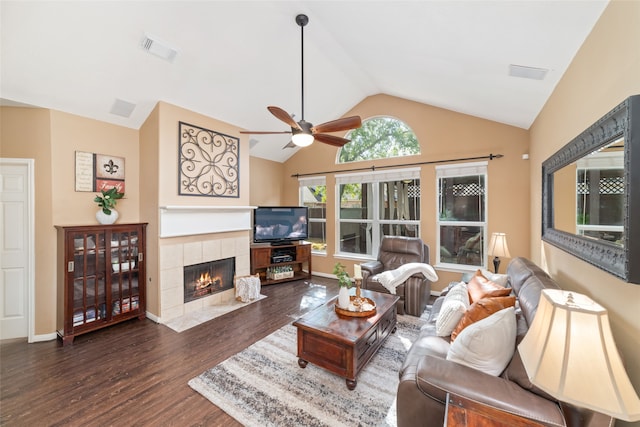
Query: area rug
(264, 386)
(194, 318)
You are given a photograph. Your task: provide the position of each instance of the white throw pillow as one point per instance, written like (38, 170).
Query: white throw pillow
(500, 279)
(455, 303)
(487, 345)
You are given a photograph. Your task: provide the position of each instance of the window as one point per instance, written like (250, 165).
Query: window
(462, 223)
(313, 194)
(375, 204)
(379, 138)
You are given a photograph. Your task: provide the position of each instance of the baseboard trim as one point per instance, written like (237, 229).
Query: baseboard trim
(44, 337)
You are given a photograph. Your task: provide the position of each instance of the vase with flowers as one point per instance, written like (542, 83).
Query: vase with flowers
(344, 281)
(107, 202)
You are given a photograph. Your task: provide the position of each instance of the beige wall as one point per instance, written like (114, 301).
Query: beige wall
(51, 138)
(266, 183)
(604, 72)
(442, 134)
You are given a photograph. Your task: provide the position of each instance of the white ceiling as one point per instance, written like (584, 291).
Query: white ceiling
(236, 57)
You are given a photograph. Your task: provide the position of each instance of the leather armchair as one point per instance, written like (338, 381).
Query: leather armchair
(395, 251)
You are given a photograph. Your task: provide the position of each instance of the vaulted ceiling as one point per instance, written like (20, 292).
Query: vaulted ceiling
(234, 58)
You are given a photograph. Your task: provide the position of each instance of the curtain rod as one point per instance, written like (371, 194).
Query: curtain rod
(373, 168)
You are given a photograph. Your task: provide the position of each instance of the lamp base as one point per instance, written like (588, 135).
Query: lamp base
(496, 264)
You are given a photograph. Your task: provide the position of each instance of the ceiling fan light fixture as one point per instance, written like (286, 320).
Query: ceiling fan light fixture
(302, 139)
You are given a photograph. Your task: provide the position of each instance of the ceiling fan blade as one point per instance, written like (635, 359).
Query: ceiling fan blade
(336, 141)
(260, 132)
(284, 116)
(345, 123)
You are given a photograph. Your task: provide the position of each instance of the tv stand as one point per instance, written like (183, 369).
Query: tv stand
(293, 256)
(282, 243)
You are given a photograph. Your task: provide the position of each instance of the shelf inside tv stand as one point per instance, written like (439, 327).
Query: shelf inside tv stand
(296, 255)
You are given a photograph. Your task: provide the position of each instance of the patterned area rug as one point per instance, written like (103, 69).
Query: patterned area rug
(264, 386)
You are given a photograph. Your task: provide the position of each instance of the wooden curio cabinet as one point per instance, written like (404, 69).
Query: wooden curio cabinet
(101, 277)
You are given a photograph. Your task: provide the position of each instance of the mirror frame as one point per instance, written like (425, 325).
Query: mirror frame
(622, 262)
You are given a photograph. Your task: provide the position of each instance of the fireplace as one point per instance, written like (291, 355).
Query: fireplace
(208, 278)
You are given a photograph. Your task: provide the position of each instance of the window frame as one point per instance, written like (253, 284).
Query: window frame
(462, 170)
(374, 178)
(355, 141)
(306, 182)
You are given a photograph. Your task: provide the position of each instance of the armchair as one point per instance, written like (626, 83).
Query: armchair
(396, 251)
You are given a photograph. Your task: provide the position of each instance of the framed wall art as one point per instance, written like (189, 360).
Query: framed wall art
(208, 163)
(96, 172)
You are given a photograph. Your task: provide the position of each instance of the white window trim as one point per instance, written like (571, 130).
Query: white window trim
(453, 170)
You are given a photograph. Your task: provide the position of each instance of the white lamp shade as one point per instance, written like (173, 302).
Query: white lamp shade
(302, 139)
(569, 352)
(498, 245)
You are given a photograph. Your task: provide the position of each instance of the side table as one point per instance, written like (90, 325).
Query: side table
(461, 412)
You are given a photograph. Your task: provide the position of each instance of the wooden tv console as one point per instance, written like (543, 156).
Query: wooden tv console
(295, 257)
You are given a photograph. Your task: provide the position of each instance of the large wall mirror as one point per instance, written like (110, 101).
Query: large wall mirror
(591, 193)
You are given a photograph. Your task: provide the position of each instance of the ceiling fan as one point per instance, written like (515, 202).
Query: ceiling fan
(302, 132)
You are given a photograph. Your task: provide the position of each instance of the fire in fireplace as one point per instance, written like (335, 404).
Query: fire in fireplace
(208, 278)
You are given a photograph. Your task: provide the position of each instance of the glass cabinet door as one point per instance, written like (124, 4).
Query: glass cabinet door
(89, 278)
(125, 295)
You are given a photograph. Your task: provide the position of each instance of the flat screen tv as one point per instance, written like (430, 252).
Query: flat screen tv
(280, 224)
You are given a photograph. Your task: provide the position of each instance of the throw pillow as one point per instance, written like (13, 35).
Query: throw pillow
(453, 307)
(500, 279)
(482, 309)
(487, 345)
(480, 287)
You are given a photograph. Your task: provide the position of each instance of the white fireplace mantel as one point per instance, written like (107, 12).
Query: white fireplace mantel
(191, 220)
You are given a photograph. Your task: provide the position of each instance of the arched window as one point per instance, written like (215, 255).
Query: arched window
(379, 138)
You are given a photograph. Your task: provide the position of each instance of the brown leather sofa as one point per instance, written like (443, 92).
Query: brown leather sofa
(396, 251)
(426, 376)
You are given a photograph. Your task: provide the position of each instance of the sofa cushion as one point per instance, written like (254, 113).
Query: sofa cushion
(453, 307)
(482, 309)
(487, 345)
(480, 287)
(516, 373)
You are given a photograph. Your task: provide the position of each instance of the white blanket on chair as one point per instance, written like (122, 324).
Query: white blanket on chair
(391, 279)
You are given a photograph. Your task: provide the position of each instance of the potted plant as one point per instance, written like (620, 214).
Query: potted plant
(344, 281)
(107, 202)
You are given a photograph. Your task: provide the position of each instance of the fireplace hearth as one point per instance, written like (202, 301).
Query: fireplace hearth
(208, 278)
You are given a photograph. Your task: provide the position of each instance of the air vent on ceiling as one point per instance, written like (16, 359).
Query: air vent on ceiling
(158, 48)
(527, 72)
(122, 108)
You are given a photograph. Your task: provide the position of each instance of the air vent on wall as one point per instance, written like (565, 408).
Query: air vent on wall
(158, 48)
(527, 72)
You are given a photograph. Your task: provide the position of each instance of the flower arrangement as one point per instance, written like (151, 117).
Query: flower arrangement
(108, 199)
(344, 281)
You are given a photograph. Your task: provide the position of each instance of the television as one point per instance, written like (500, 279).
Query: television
(280, 224)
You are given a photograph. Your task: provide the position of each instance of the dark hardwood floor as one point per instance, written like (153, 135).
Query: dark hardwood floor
(136, 373)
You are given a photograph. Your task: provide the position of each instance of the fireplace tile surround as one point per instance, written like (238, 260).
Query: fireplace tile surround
(182, 247)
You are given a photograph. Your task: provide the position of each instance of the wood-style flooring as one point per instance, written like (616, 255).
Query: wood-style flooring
(136, 373)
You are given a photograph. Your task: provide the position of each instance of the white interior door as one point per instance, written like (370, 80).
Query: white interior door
(16, 247)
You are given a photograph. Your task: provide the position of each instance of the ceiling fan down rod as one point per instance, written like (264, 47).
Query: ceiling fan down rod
(302, 20)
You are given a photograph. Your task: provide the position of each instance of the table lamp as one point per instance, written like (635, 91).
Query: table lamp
(569, 352)
(497, 248)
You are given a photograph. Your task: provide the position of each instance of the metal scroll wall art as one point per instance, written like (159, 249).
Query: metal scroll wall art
(208, 163)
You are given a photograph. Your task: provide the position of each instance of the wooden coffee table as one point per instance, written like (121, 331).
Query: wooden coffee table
(342, 344)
